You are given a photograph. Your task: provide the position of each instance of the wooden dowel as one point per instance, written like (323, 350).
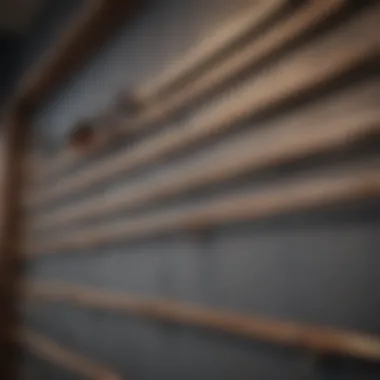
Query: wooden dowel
(248, 153)
(301, 21)
(196, 59)
(287, 31)
(317, 339)
(342, 119)
(297, 75)
(16, 133)
(55, 353)
(213, 47)
(79, 41)
(297, 195)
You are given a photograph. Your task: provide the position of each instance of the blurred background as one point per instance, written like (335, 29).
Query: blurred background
(202, 191)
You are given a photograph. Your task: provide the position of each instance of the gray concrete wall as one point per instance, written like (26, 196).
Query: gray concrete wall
(317, 267)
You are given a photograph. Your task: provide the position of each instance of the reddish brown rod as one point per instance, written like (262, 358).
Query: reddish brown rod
(302, 20)
(334, 187)
(57, 354)
(334, 123)
(197, 59)
(317, 339)
(90, 28)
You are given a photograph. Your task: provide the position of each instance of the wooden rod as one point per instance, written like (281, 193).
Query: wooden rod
(96, 22)
(296, 76)
(317, 339)
(333, 123)
(217, 167)
(209, 50)
(55, 353)
(15, 139)
(304, 19)
(198, 58)
(68, 55)
(80, 40)
(335, 187)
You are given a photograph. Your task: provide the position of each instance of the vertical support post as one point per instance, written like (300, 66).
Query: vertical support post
(75, 47)
(11, 237)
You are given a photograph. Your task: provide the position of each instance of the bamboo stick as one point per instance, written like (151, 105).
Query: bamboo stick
(317, 339)
(297, 195)
(53, 352)
(287, 31)
(345, 120)
(294, 77)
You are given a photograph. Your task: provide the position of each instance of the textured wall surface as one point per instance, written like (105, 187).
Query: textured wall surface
(318, 267)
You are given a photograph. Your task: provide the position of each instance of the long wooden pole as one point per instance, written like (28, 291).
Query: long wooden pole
(197, 60)
(11, 241)
(94, 24)
(248, 23)
(293, 27)
(57, 354)
(284, 33)
(317, 339)
(334, 187)
(294, 77)
(75, 46)
(340, 122)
